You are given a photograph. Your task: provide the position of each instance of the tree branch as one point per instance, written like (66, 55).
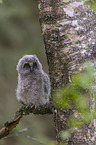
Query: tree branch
(24, 110)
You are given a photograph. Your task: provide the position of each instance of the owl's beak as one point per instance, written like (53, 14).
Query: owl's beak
(31, 68)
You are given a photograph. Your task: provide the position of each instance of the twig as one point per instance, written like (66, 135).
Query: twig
(24, 110)
(8, 126)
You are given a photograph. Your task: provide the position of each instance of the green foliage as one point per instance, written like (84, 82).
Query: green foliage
(65, 134)
(76, 91)
(91, 3)
(77, 95)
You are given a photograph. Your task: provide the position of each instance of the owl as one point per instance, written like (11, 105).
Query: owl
(33, 83)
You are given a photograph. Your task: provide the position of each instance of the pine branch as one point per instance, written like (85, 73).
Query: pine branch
(24, 110)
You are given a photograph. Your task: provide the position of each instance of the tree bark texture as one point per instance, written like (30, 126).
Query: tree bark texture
(69, 34)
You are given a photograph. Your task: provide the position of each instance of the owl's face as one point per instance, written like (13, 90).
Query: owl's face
(29, 64)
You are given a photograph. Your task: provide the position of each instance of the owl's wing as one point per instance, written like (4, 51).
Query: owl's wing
(46, 86)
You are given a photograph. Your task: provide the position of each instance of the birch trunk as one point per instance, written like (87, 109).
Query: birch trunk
(69, 34)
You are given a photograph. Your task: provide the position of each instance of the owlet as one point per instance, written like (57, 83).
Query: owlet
(33, 82)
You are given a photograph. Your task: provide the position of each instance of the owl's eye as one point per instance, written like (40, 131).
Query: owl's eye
(34, 65)
(26, 66)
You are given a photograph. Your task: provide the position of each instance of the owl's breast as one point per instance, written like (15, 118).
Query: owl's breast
(32, 91)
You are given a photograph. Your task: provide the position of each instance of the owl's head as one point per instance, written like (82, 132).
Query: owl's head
(29, 64)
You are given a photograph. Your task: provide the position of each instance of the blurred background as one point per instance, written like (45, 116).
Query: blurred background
(20, 34)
